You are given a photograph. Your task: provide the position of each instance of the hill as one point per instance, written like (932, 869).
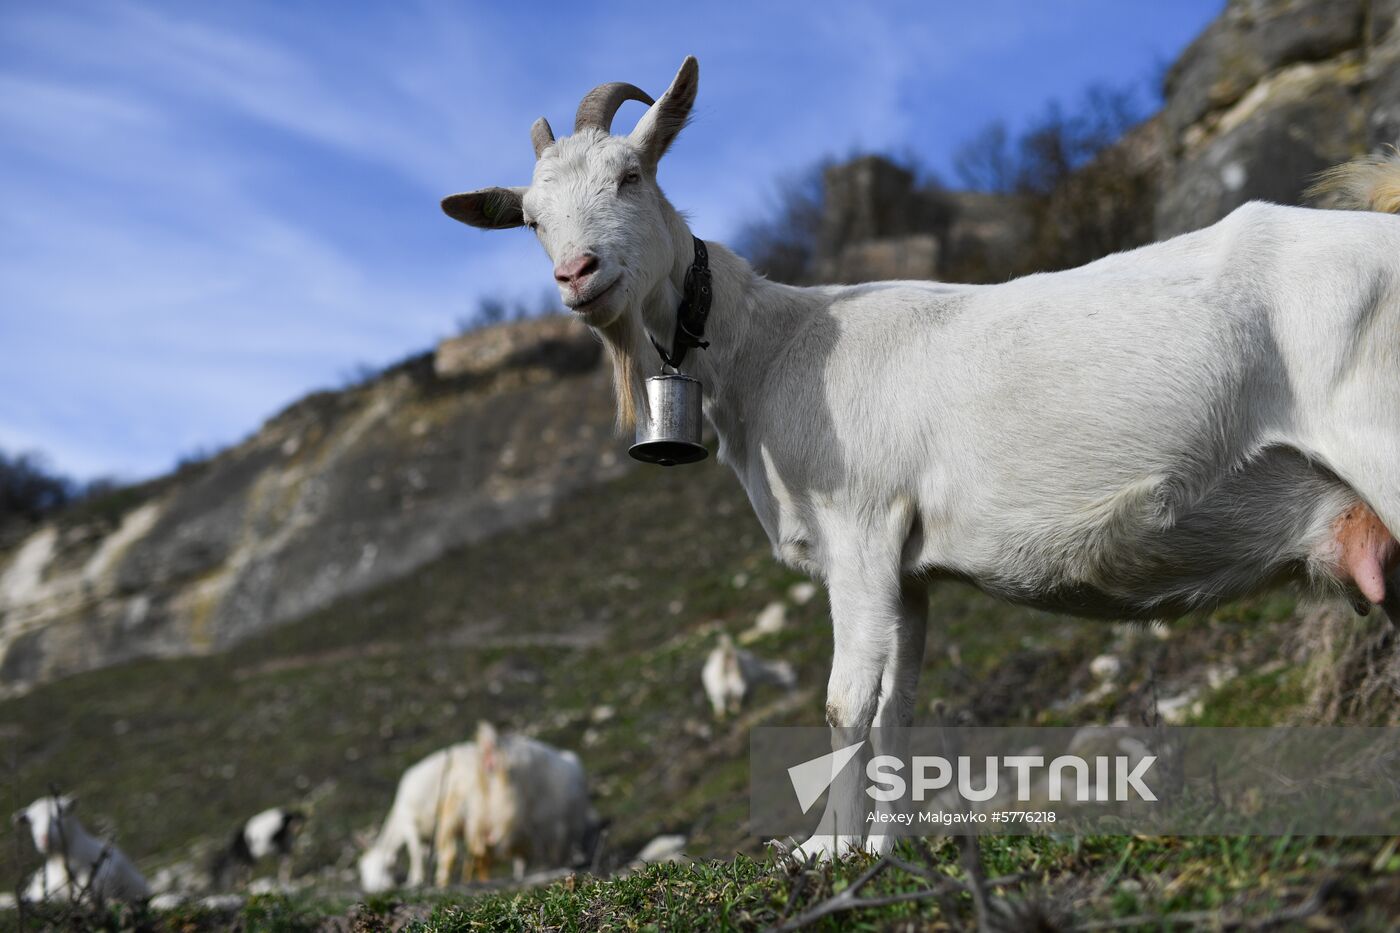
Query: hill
(461, 537)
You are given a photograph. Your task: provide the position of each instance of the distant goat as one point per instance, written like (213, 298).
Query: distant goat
(428, 801)
(528, 803)
(1156, 432)
(730, 673)
(271, 832)
(76, 865)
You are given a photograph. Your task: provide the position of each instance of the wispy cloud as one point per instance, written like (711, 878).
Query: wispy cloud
(206, 210)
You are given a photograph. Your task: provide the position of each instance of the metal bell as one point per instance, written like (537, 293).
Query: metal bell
(671, 432)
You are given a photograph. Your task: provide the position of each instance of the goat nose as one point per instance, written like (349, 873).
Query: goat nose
(576, 269)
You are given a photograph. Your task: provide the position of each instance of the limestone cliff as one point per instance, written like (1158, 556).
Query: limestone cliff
(342, 491)
(1271, 93)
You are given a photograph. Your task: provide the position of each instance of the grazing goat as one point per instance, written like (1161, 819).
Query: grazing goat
(731, 672)
(426, 803)
(1155, 432)
(76, 865)
(271, 832)
(528, 803)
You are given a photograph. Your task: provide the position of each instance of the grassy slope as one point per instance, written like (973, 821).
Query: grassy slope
(605, 605)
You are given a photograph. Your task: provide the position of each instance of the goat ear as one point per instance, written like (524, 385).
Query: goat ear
(660, 125)
(488, 208)
(486, 746)
(67, 803)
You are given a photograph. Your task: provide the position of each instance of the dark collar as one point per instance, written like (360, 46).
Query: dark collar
(694, 310)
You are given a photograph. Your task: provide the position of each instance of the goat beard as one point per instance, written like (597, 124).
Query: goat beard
(625, 340)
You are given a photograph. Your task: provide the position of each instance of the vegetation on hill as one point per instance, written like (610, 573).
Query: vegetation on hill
(588, 630)
(588, 627)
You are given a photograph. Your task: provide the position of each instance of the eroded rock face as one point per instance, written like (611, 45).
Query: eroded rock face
(1273, 92)
(338, 493)
(876, 224)
(880, 223)
(1381, 83)
(1249, 41)
(1268, 146)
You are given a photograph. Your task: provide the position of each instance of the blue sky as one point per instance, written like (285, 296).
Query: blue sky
(207, 210)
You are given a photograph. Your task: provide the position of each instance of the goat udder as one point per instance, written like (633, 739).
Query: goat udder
(1367, 550)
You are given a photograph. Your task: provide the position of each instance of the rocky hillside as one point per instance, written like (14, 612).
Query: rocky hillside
(347, 490)
(1271, 93)
(340, 492)
(460, 538)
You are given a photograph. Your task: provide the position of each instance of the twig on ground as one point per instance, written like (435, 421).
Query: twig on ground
(844, 900)
(940, 889)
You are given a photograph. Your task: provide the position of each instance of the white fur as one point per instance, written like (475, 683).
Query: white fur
(260, 831)
(1160, 430)
(528, 803)
(421, 804)
(731, 672)
(76, 864)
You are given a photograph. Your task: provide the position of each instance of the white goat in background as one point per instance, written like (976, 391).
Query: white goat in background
(270, 832)
(76, 864)
(731, 672)
(426, 806)
(1158, 431)
(528, 803)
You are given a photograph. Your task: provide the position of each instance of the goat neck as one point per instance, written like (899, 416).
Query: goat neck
(746, 328)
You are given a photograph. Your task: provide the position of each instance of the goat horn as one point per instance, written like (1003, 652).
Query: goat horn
(541, 136)
(599, 106)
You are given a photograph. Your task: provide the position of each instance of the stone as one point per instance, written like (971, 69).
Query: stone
(1106, 667)
(802, 593)
(1249, 40)
(1267, 147)
(667, 848)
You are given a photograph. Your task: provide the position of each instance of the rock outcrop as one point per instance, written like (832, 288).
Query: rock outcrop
(340, 492)
(879, 222)
(1271, 93)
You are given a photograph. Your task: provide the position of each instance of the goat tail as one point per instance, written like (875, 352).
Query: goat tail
(1368, 184)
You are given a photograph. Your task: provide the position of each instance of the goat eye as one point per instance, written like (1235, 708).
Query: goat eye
(631, 178)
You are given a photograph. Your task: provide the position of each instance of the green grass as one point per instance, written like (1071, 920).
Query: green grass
(606, 603)
(1064, 880)
(531, 629)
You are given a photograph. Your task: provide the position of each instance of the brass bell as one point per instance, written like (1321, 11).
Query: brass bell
(670, 434)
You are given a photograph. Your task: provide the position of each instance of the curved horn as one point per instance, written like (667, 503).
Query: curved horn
(599, 106)
(541, 136)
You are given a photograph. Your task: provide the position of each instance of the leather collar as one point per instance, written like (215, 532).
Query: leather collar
(693, 311)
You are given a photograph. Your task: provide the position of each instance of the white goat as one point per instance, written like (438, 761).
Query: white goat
(1160, 430)
(731, 672)
(270, 832)
(76, 865)
(528, 803)
(426, 804)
